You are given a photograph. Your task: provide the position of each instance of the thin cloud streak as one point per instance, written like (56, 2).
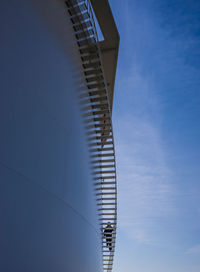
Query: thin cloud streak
(155, 117)
(144, 188)
(195, 250)
(145, 192)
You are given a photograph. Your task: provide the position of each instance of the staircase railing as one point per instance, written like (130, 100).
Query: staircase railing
(95, 105)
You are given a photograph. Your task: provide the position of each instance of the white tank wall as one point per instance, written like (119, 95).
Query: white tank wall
(48, 218)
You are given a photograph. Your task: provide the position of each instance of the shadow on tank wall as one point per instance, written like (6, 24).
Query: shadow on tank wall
(47, 206)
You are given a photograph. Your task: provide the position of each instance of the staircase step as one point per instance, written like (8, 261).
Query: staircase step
(109, 198)
(92, 93)
(107, 219)
(92, 113)
(102, 150)
(99, 131)
(102, 155)
(95, 85)
(104, 125)
(103, 161)
(92, 65)
(90, 57)
(101, 137)
(93, 100)
(84, 34)
(86, 42)
(97, 119)
(77, 9)
(90, 49)
(109, 209)
(95, 106)
(94, 78)
(104, 166)
(105, 183)
(106, 194)
(84, 25)
(71, 3)
(104, 172)
(93, 72)
(100, 143)
(113, 203)
(79, 18)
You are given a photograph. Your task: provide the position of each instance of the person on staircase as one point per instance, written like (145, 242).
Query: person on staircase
(108, 235)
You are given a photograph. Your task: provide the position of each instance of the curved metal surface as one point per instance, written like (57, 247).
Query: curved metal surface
(96, 109)
(48, 217)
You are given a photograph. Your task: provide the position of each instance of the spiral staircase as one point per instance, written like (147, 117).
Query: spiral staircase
(96, 108)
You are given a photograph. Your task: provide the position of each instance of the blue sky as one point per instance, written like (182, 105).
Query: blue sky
(156, 122)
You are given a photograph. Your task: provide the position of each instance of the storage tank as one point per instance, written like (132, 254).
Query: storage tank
(56, 129)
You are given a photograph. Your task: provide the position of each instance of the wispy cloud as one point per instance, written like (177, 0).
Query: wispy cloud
(143, 174)
(156, 109)
(195, 250)
(144, 187)
(155, 101)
